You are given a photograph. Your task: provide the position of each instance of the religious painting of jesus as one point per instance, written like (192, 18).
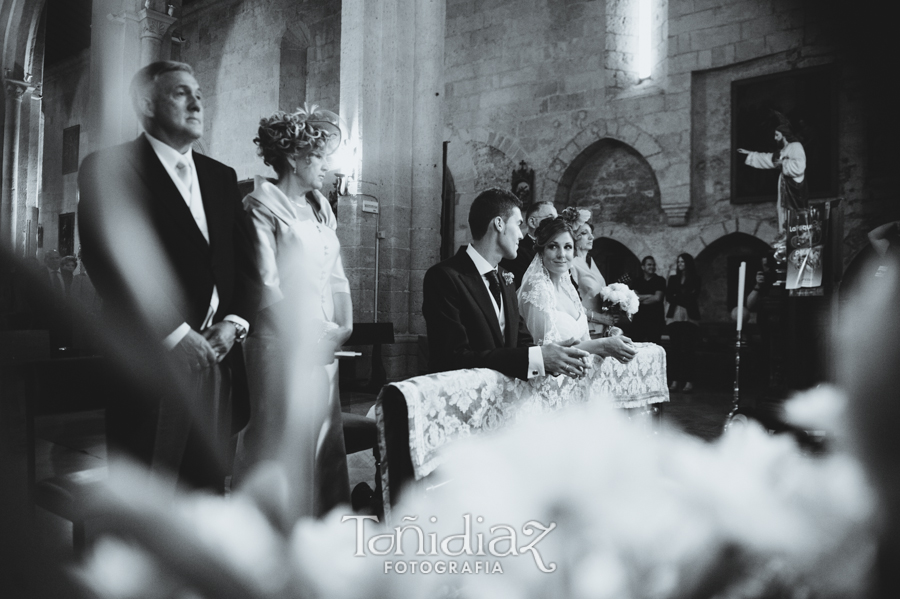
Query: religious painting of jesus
(803, 101)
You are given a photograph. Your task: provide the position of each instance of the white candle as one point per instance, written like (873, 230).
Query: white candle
(742, 272)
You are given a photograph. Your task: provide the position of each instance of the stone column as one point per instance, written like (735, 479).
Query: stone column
(27, 183)
(10, 210)
(115, 57)
(154, 26)
(392, 54)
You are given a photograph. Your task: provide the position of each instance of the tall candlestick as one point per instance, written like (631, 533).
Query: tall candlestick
(740, 307)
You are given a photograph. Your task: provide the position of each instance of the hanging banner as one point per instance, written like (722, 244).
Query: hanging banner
(808, 250)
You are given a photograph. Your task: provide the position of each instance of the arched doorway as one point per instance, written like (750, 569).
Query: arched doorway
(615, 182)
(614, 259)
(718, 266)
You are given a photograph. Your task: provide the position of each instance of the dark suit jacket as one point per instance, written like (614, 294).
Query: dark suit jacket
(463, 330)
(132, 217)
(154, 271)
(524, 256)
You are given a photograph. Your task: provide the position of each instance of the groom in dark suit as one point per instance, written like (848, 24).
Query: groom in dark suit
(470, 307)
(169, 249)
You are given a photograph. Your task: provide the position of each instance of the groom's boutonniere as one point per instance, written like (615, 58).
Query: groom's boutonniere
(508, 277)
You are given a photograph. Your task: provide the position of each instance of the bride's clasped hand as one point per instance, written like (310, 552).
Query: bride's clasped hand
(619, 347)
(564, 358)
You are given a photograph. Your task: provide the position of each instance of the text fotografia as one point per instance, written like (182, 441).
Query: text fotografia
(503, 541)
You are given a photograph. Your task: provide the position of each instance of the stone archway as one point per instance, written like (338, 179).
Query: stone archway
(479, 158)
(614, 259)
(718, 264)
(292, 67)
(615, 182)
(673, 178)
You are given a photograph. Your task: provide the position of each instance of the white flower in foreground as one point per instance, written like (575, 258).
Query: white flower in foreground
(237, 531)
(823, 408)
(580, 503)
(660, 514)
(321, 556)
(115, 569)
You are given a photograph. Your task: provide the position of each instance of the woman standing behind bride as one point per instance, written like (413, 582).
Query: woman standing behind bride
(553, 313)
(304, 284)
(584, 269)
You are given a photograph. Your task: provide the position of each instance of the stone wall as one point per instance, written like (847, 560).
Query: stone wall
(244, 52)
(544, 82)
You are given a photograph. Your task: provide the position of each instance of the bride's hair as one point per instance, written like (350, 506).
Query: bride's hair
(550, 229)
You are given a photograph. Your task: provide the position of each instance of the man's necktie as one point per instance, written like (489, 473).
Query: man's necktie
(58, 285)
(494, 286)
(184, 173)
(192, 199)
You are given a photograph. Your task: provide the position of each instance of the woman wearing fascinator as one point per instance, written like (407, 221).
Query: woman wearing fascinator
(585, 274)
(306, 296)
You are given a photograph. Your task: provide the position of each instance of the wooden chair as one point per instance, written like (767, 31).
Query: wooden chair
(375, 334)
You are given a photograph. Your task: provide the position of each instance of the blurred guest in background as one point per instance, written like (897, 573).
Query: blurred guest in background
(67, 267)
(82, 293)
(585, 274)
(885, 240)
(649, 322)
(84, 300)
(49, 309)
(683, 320)
(299, 260)
(762, 287)
(534, 215)
(53, 263)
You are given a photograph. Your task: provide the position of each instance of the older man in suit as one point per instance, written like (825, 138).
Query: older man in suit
(470, 307)
(169, 248)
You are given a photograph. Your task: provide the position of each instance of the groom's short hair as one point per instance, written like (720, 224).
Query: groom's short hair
(487, 206)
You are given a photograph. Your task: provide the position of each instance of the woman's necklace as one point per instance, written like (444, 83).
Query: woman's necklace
(307, 212)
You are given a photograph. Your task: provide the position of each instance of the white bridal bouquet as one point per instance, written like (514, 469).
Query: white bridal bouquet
(618, 299)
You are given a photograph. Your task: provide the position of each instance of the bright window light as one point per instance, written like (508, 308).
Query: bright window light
(645, 35)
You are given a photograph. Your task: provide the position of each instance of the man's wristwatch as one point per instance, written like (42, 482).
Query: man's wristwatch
(240, 333)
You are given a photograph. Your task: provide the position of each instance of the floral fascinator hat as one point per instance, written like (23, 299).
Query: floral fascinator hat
(324, 123)
(574, 217)
(306, 129)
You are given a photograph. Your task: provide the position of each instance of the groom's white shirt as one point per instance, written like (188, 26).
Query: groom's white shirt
(535, 357)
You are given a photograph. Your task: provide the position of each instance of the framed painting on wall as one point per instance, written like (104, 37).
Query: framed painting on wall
(66, 234)
(807, 98)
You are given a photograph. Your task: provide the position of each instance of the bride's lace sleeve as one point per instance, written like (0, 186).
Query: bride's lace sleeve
(537, 303)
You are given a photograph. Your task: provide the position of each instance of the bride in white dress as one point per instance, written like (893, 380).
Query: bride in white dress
(553, 313)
